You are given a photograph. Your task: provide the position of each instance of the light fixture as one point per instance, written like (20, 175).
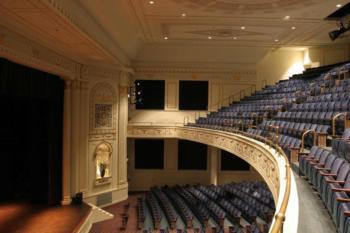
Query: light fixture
(135, 93)
(339, 5)
(209, 37)
(243, 27)
(235, 38)
(287, 17)
(183, 15)
(293, 28)
(336, 33)
(165, 37)
(151, 2)
(276, 40)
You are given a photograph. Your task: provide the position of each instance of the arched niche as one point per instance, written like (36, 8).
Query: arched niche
(102, 159)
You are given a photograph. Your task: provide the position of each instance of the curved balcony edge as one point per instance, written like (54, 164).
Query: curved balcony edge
(270, 162)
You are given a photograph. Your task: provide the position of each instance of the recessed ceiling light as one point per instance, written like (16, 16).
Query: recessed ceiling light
(243, 27)
(339, 5)
(209, 37)
(276, 40)
(165, 37)
(287, 17)
(293, 28)
(151, 2)
(235, 38)
(183, 15)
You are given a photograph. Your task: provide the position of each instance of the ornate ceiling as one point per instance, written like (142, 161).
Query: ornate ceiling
(36, 20)
(265, 22)
(102, 32)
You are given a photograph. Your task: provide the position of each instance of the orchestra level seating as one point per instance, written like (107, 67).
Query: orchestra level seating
(246, 207)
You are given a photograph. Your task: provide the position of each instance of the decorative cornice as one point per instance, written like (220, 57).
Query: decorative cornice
(64, 14)
(193, 70)
(24, 51)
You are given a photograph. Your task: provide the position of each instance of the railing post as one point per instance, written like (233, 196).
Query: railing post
(334, 121)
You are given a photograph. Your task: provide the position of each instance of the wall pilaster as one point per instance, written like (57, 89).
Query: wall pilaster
(122, 126)
(66, 163)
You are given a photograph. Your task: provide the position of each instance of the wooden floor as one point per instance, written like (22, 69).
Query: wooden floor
(113, 225)
(27, 218)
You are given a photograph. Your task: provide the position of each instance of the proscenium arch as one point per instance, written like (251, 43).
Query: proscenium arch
(254, 152)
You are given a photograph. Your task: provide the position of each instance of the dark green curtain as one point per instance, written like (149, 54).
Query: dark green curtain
(31, 104)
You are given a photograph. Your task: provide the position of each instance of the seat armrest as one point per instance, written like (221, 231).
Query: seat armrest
(347, 213)
(314, 163)
(341, 190)
(322, 169)
(343, 200)
(335, 181)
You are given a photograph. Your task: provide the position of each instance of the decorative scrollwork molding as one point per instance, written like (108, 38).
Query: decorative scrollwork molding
(257, 154)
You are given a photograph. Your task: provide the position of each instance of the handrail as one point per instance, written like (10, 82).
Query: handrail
(335, 118)
(251, 87)
(230, 99)
(277, 227)
(303, 138)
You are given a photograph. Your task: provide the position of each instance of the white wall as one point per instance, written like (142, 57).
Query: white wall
(280, 64)
(221, 86)
(329, 54)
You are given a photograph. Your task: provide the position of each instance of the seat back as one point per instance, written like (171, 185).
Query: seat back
(346, 134)
(324, 156)
(338, 162)
(330, 160)
(318, 153)
(343, 171)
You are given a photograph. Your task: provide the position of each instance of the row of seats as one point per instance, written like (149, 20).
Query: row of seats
(166, 206)
(180, 206)
(337, 96)
(141, 212)
(330, 176)
(325, 106)
(212, 202)
(154, 208)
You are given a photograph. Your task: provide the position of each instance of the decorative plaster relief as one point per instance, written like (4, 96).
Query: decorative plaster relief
(102, 109)
(246, 6)
(248, 149)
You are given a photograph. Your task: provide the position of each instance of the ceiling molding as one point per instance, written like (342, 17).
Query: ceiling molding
(60, 10)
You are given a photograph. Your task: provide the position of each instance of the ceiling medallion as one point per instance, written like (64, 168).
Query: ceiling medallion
(246, 5)
(225, 33)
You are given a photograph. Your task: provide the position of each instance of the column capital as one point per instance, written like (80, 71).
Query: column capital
(124, 78)
(67, 84)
